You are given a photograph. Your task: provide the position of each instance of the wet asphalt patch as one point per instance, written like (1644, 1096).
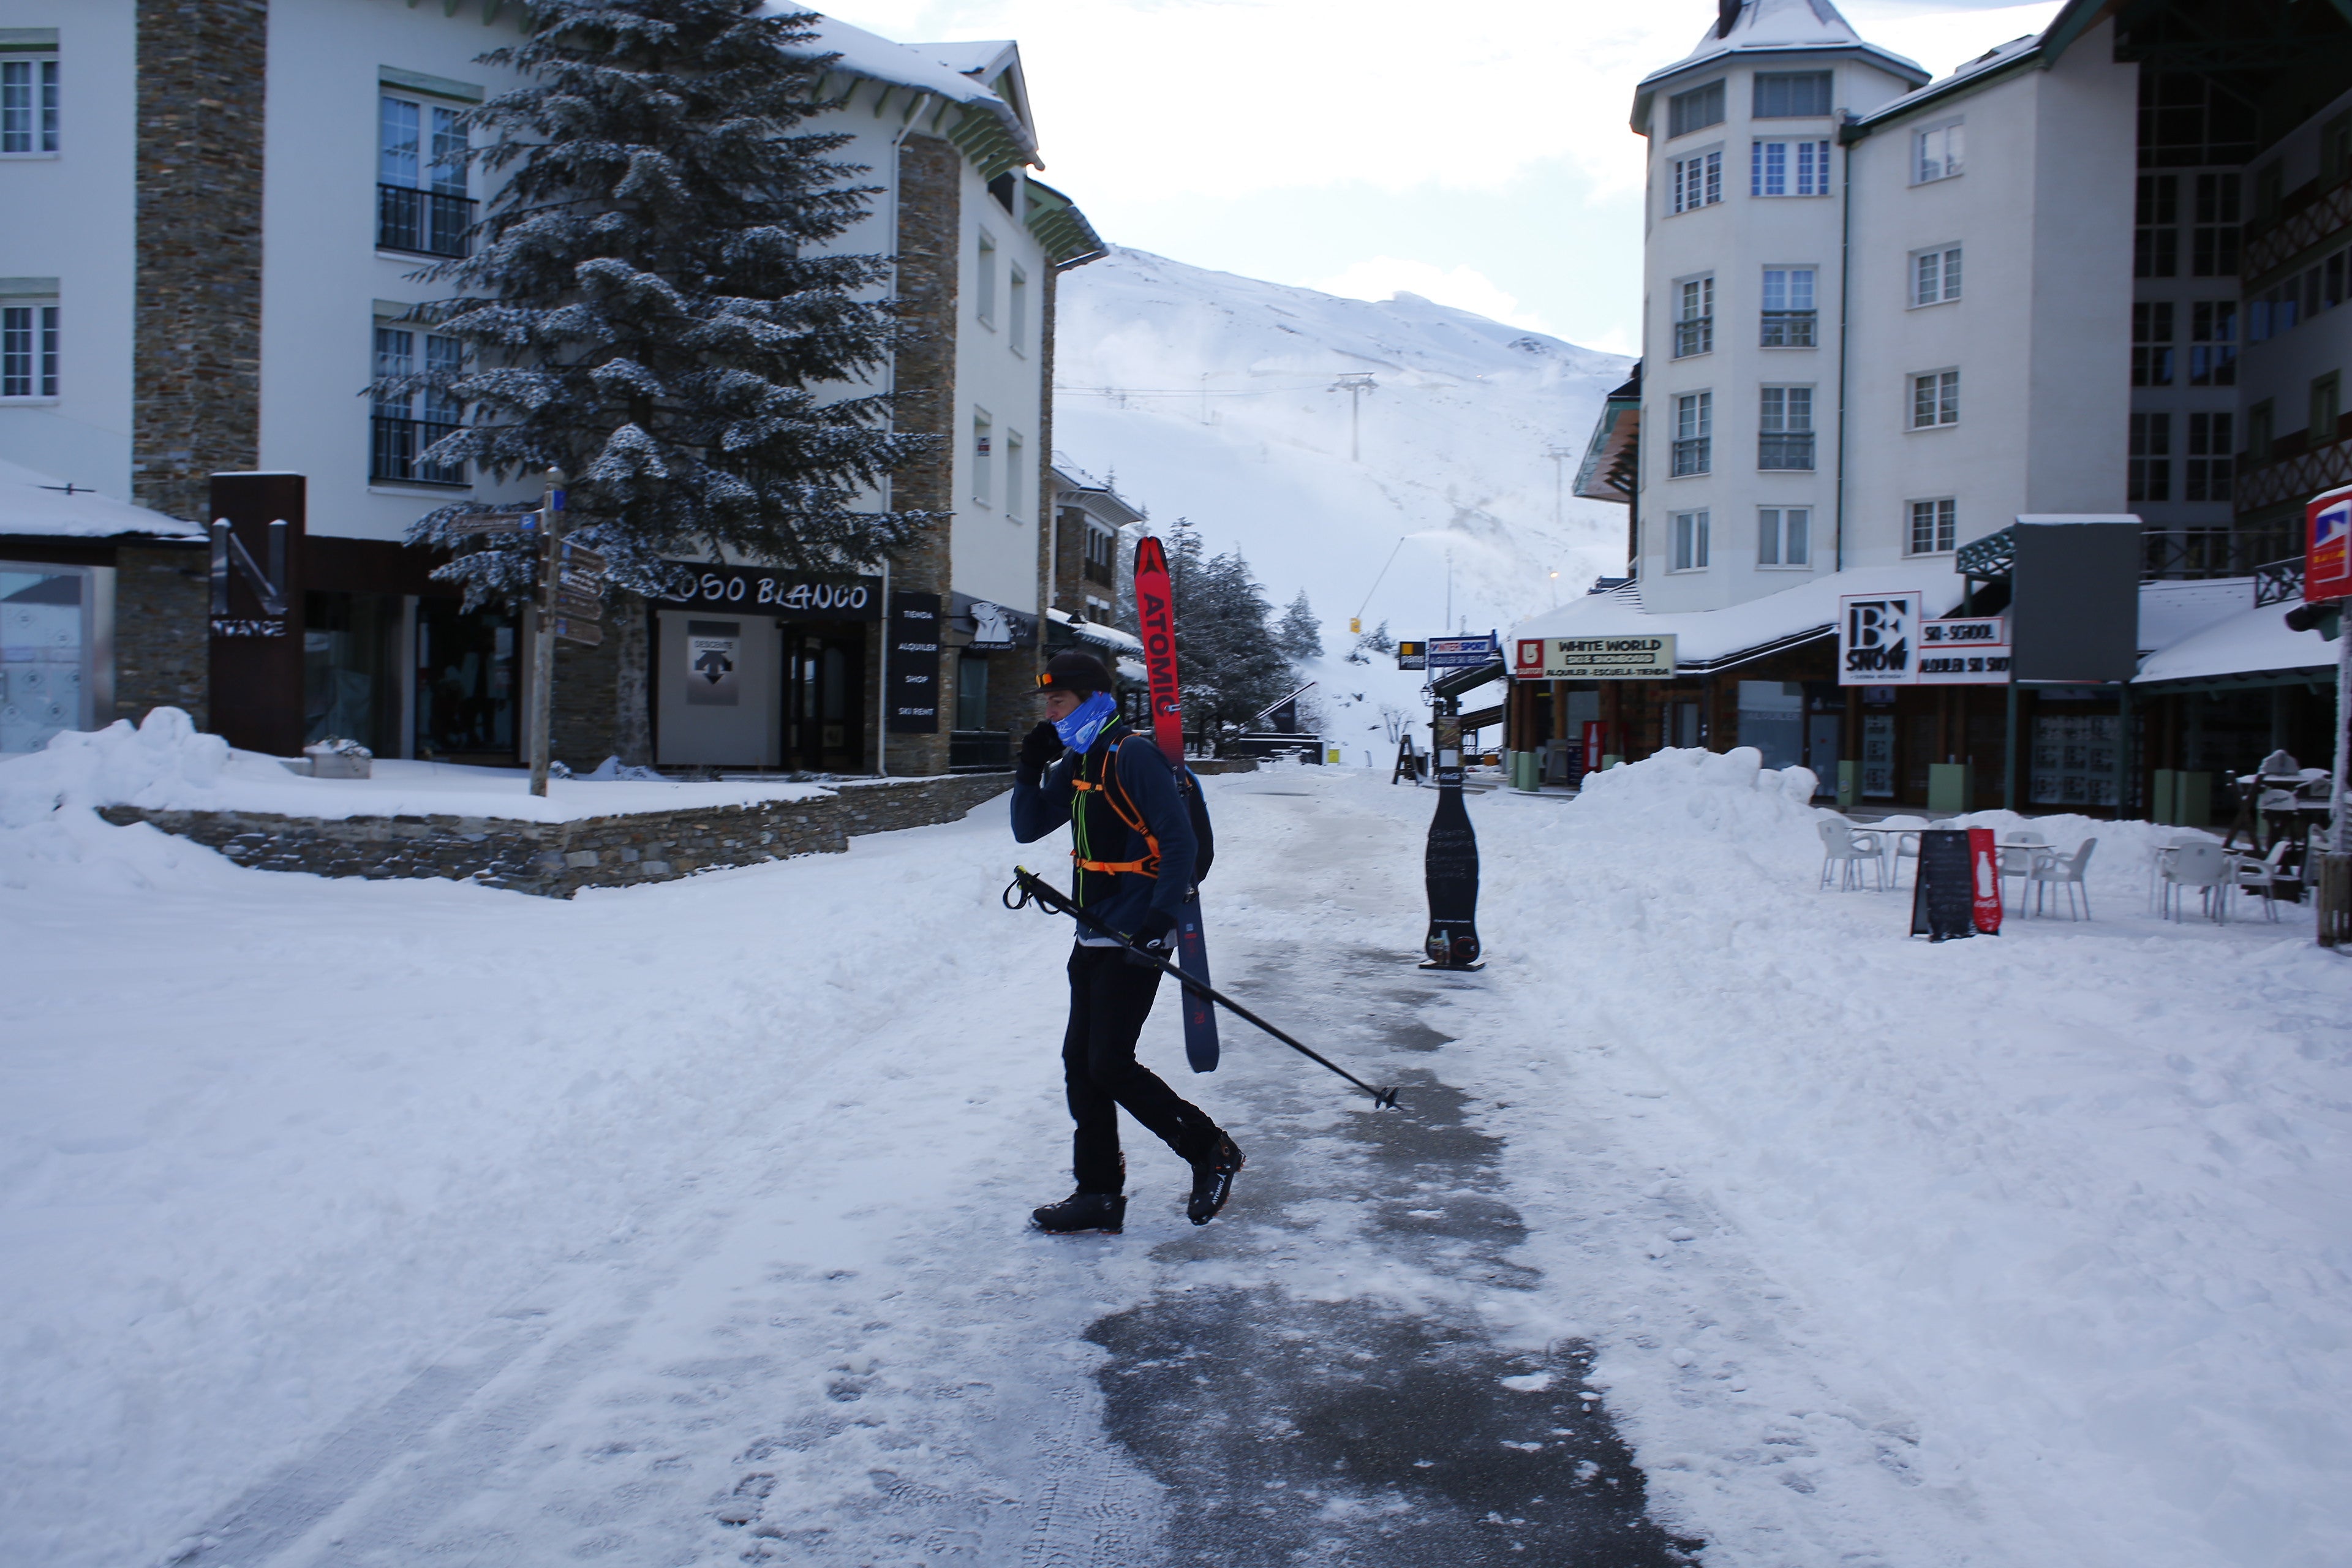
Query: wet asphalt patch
(1291, 1429)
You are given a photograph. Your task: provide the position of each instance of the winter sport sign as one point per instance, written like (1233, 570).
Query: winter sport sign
(1594, 659)
(1463, 653)
(1878, 638)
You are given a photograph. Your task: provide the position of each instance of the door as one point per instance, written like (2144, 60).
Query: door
(824, 696)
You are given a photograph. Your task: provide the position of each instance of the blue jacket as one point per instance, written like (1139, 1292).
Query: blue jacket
(1148, 781)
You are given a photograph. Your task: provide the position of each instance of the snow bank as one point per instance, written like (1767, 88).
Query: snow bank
(1721, 792)
(164, 763)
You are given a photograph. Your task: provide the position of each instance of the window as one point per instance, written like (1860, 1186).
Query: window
(1935, 275)
(28, 104)
(1789, 313)
(1697, 181)
(2270, 191)
(1784, 428)
(1694, 110)
(2261, 421)
(1792, 95)
(1690, 542)
(1935, 527)
(2326, 408)
(1693, 316)
(421, 157)
(972, 691)
(1784, 536)
(2151, 361)
(1694, 433)
(1017, 310)
(1789, 169)
(29, 348)
(2332, 294)
(2276, 311)
(1938, 153)
(2155, 233)
(1102, 554)
(981, 431)
(2213, 242)
(2150, 476)
(2205, 475)
(984, 280)
(406, 424)
(1934, 399)
(2213, 342)
(1012, 476)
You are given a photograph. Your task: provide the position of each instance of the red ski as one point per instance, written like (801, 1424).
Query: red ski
(1155, 613)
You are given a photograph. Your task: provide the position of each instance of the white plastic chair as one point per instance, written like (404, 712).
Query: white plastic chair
(2264, 874)
(1842, 848)
(2205, 867)
(2018, 862)
(2049, 871)
(1906, 847)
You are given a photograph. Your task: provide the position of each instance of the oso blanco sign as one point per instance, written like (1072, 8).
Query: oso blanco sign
(1595, 659)
(1878, 640)
(1964, 650)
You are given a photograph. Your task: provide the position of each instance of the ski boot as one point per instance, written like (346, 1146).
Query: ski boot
(1213, 1180)
(1080, 1213)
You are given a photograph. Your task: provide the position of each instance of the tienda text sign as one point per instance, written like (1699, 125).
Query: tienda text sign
(1595, 659)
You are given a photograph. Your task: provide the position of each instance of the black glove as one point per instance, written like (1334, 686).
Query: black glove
(1156, 933)
(1038, 750)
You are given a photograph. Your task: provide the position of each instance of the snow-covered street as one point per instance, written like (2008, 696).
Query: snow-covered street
(398, 1222)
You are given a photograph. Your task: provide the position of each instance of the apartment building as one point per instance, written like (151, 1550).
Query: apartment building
(219, 216)
(2086, 273)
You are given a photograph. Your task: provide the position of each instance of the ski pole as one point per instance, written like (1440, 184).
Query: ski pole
(1033, 885)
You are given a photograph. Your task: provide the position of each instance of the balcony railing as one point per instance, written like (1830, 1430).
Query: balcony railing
(2278, 582)
(1694, 335)
(424, 223)
(2192, 552)
(1790, 450)
(1692, 455)
(393, 455)
(1790, 330)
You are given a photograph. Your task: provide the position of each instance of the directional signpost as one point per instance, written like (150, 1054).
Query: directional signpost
(567, 609)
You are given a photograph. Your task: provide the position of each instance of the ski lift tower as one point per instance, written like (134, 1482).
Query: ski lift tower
(1355, 383)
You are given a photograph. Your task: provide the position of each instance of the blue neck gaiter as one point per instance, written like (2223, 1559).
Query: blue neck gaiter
(1086, 721)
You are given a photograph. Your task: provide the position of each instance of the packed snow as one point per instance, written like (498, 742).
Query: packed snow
(388, 1222)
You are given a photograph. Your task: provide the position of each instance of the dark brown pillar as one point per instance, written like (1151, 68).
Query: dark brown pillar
(256, 611)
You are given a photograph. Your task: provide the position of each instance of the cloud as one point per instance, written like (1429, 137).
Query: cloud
(1464, 288)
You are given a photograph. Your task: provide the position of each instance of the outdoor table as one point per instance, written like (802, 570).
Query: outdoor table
(1895, 859)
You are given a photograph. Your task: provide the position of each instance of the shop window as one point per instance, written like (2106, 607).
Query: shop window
(350, 669)
(1878, 756)
(1772, 719)
(46, 678)
(469, 677)
(2073, 759)
(972, 691)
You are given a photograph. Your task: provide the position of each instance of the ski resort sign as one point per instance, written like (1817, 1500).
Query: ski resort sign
(1594, 659)
(1878, 640)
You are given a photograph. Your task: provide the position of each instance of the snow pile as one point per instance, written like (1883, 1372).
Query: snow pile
(1721, 792)
(164, 760)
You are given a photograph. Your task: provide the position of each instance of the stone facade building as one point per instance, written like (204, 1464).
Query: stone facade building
(219, 212)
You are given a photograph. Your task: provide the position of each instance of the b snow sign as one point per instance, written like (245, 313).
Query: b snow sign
(1878, 640)
(2327, 565)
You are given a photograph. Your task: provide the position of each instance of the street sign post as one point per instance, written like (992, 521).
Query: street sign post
(543, 664)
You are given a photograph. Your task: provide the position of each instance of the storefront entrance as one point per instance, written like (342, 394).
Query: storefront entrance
(824, 696)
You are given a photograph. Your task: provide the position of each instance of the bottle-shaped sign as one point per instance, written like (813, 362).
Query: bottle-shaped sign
(1451, 865)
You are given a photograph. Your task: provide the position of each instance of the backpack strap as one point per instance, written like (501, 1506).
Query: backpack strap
(1128, 813)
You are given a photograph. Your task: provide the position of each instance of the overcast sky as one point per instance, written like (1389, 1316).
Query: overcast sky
(1477, 152)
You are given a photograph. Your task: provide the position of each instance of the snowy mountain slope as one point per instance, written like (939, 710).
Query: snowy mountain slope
(1212, 396)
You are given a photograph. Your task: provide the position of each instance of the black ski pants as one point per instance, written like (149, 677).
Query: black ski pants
(1110, 999)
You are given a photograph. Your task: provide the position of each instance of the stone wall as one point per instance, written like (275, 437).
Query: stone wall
(931, 243)
(584, 720)
(196, 334)
(556, 860)
(162, 639)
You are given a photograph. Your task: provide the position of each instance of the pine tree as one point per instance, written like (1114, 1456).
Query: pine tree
(648, 305)
(1300, 634)
(1369, 643)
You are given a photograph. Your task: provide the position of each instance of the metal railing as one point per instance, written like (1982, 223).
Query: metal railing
(2277, 582)
(1692, 455)
(2192, 553)
(1694, 335)
(1785, 450)
(425, 222)
(392, 452)
(1788, 330)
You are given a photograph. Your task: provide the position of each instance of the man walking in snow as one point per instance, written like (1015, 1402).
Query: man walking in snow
(1134, 856)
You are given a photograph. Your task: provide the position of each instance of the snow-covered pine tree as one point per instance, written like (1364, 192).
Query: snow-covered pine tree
(1300, 634)
(1225, 648)
(1369, 643)
(647, 304)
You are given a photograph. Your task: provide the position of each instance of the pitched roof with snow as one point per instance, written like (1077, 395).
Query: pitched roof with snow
(1773, 27)
(946, 71)
(1718, 640)
(38, 504)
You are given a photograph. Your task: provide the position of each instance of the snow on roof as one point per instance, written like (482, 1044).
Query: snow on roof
(878, 58)
(1986, 64)
(2169, 611)
(1764, 25)
(2250, 642)
(1713, 636)
(1095, 632)
(33, 502)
